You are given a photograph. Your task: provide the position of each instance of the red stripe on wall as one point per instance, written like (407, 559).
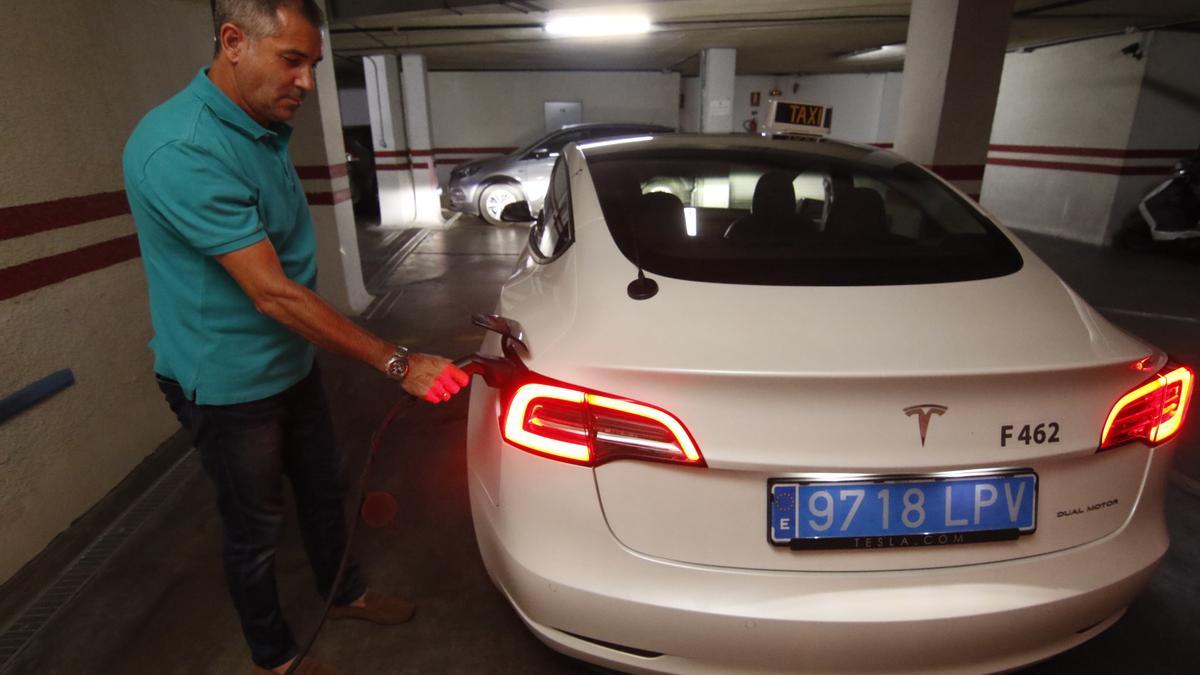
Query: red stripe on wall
(455, 160)
(313, 172)
(327, 198)
(1115, 153)
(445, 151)
(1091, 152)
(26, 219)
(1086, 168)
(958, 171)
(401, 167)
(468, 151)
(36, 274)
(402, 153)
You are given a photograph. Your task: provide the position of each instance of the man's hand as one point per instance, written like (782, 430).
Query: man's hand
(433, 378)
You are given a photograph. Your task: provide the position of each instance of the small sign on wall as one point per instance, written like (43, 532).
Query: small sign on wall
(562, 113)
(754, 98)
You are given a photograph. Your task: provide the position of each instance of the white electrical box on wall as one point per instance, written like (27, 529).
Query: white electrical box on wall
(562, 113)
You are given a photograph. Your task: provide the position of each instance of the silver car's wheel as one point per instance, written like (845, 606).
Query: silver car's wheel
(494, 198)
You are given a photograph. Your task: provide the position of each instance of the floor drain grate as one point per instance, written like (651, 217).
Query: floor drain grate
(38, 614)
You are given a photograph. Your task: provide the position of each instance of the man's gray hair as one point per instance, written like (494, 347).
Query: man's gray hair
(258, 18)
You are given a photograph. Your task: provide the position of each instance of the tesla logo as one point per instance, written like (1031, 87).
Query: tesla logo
(923, 413)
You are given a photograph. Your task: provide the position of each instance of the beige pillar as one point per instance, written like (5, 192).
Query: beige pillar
(718, 68)
(393, 166)
(954, 55)
(320, 157)
(398, 103)
(418, 129)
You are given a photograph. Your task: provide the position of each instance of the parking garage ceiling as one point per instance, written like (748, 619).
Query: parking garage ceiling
(771, 36)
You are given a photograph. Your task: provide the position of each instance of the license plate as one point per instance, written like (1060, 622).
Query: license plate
(901, 513)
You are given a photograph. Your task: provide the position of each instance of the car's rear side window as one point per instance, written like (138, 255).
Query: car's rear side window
(788, 218)
(551, 235)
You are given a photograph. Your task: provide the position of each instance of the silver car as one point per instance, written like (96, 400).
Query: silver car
(484, 187)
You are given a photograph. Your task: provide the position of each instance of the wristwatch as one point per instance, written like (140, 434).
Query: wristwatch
(397, 365)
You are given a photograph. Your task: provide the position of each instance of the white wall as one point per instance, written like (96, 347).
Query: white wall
(69, 105)
(1070, 105)
(864, 105)
(1079, 94)
(857, 100)
(743, 85)
(689, 115)
(504, 109)
(889, 107)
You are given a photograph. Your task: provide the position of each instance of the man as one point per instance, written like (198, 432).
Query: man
(227, 243)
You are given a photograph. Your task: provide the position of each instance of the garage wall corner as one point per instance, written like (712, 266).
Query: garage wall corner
(1084, 130)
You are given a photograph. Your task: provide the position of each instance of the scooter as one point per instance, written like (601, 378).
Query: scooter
(1170, 212)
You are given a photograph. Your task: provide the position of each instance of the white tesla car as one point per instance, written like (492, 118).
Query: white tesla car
(846, 423)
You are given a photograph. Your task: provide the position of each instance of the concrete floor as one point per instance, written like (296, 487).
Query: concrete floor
(159, 606)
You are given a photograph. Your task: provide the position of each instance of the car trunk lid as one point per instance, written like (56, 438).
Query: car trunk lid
(788, 383)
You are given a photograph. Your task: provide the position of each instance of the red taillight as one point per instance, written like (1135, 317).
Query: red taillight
(586, 427)
(1153, 412)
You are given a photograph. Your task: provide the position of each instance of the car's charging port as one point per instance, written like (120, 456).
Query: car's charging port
(498, 372)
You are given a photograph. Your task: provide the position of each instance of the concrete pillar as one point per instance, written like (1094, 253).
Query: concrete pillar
(954, 55)
(717, 70)
(415, 98)
(398, 102)
(397, 195)
(319, 153)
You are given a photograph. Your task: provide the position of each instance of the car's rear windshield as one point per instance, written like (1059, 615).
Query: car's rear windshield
(787, 218)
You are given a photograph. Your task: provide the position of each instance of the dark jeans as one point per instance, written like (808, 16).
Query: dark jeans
(246, 449)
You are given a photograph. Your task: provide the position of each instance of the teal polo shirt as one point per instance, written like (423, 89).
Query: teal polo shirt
(203, 178)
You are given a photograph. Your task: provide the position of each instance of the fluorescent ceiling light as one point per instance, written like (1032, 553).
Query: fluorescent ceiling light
(874, 53)
(597, 26)
(615, 141)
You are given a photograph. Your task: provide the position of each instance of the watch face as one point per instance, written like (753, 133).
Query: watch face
(397, 367)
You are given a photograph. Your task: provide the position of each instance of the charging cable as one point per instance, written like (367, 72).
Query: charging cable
(494, 371)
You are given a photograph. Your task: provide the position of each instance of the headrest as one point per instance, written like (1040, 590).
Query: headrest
(774, 195)
(659, 216)
(857, 212)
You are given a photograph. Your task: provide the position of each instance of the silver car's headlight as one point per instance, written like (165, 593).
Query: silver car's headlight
(463, 172)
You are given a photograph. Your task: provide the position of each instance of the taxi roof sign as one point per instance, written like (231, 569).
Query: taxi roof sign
(793, 117)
